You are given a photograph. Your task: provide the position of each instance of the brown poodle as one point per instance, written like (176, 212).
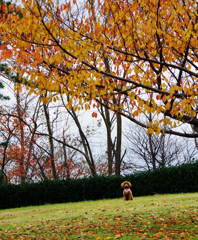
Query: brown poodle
(127, 192)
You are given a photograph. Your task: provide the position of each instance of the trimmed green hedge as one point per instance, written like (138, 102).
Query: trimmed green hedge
(180, 179)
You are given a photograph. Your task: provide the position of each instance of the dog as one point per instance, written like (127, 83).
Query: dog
(127, 193)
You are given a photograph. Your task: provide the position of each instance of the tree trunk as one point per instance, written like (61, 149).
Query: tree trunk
(118, 145)
(50, 141)
(65, 158)
(152, 153)
(106, 117)
(21, 157)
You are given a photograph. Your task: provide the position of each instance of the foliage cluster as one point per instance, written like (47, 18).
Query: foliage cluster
(132, 57)
(177, 179)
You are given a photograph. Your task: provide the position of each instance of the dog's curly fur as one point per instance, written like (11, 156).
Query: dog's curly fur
(127, 193)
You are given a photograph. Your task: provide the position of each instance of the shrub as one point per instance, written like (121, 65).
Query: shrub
(177, 179)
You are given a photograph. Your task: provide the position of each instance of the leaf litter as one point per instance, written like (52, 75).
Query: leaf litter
(176, 222)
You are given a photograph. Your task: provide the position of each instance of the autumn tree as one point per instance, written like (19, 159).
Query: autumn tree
(3, 66)
(150, 45)
(5, 9)
(27, 155)
(17, 128)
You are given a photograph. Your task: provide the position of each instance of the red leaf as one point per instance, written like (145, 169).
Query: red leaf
(94, 114)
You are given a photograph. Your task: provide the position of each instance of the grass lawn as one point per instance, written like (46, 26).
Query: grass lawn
(153, 217)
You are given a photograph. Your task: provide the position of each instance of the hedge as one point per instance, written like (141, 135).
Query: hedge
(175, 179)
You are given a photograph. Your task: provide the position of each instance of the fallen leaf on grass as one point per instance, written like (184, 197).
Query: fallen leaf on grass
(154, 227)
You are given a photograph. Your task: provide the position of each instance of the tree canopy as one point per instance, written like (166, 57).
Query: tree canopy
(131, 56)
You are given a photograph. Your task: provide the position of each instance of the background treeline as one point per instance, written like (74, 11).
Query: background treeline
(180, 179)
(61, 138)
(47, 141)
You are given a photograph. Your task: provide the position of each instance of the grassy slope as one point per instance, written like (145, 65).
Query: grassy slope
(152, 217)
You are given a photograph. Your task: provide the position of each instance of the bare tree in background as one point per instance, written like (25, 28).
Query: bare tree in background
(155, 151)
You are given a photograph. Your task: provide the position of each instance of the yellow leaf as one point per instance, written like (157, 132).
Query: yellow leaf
(150, 131)
(168, 105)
(45, 100)
(113, 7)
(76, 108)
(158, 131)
(69, 64)
(112, 107)
(135, 113)
(136, 69)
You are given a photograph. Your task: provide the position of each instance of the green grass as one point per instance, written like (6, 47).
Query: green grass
(153, 217)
